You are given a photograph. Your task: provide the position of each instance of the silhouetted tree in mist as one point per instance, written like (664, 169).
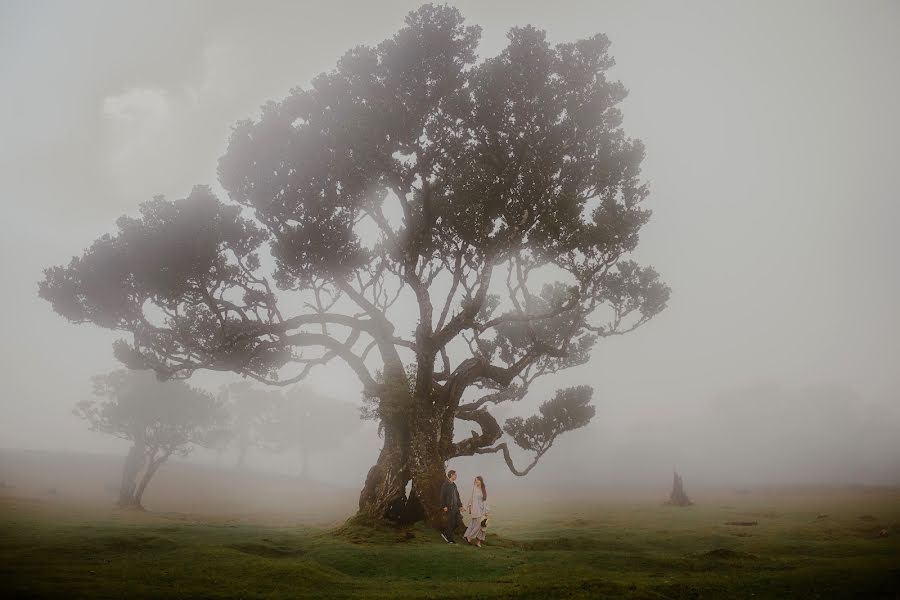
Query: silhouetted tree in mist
(303, 421)
(249, 409)
(277, 421)
(159, 418)
(500, 198)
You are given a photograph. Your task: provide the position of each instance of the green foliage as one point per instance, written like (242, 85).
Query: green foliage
(457, 169)
(519, 157)
(567, 410)
(173, 252)
(169, 417)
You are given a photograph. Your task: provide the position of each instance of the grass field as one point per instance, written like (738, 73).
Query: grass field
(617, 548)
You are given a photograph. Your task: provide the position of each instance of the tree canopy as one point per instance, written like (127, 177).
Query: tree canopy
(159, 418)
(500, 198)
(169, 417)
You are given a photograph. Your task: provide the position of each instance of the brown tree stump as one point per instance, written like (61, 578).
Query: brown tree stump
(678, 497)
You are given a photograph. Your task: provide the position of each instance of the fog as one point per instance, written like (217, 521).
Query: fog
(771, 131)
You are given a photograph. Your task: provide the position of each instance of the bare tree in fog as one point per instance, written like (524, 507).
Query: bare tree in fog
(249, 409)
(159, 418)
(502, 197)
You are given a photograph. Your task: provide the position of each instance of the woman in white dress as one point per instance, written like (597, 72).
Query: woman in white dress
(478, 510)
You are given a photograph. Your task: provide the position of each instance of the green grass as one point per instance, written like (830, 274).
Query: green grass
(611, 550)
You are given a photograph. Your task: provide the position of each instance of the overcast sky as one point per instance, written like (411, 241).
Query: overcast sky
(772, 135)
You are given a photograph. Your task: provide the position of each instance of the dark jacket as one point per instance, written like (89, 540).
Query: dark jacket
(450, 496)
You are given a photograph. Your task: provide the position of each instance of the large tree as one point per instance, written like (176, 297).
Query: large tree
(500, 198)
(158, 418)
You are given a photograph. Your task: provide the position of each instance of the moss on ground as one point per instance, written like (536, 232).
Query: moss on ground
(609, 551)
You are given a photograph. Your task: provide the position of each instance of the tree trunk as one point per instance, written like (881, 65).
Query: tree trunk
(417, 452)
(412, 512)
(384, 494)
(427, 466)
(678, 497)
(151, 470)
(134, 463)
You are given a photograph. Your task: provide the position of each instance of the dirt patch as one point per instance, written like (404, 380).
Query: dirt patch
(742, 523)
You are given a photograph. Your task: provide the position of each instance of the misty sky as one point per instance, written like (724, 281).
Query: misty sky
(773, 151)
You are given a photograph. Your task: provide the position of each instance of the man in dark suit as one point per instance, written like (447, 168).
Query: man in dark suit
(452, 505)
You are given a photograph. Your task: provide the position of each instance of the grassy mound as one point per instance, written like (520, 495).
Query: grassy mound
(616, 551)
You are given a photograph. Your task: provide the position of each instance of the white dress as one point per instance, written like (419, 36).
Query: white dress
(477, 510)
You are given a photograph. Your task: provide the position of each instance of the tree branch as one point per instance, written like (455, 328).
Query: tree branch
(466, 317)
(490, 432)
(509, 462)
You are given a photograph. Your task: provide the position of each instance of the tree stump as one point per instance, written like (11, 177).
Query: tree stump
(678, 497)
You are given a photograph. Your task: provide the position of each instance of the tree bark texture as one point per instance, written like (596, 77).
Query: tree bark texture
(414, 453)
(384, 493)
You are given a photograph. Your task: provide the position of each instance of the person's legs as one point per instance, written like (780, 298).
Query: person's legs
(451, 526)
(470, 530)
(475, 532)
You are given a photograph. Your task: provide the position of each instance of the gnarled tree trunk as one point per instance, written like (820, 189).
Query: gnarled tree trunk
(152, 467)
(428, 454)
(415, 453)
(134, 464)
(384, 494)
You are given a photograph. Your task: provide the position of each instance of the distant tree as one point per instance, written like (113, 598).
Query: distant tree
(249, 410)
(305, 422)
(501, 198)
(159, 419)
(678, 497)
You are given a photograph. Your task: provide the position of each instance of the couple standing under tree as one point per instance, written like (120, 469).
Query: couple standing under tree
(477, 508)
